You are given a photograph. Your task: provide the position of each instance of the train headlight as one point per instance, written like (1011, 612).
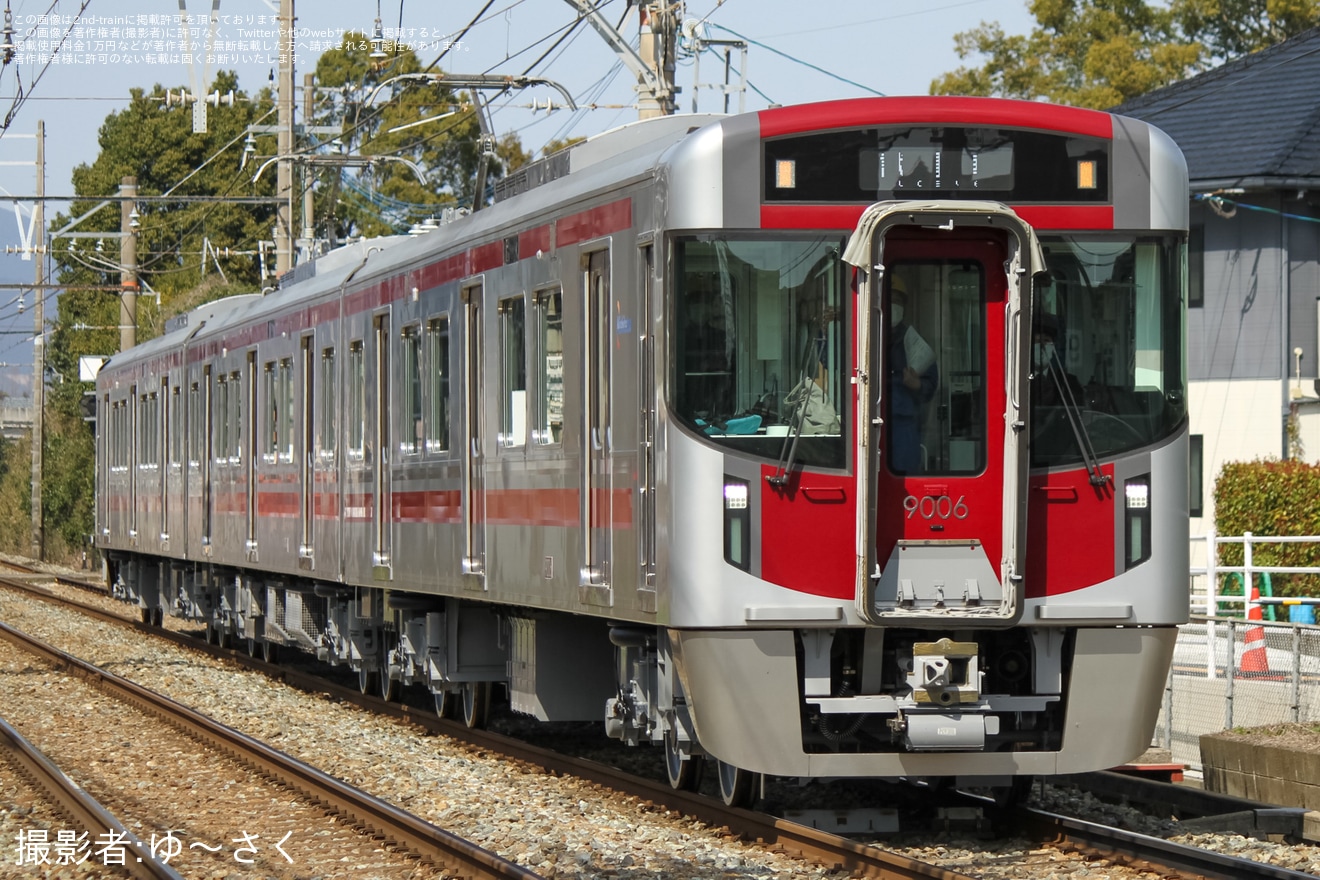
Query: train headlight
(1136, 521)
(737, 522)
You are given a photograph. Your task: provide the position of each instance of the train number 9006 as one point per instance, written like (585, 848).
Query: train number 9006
(935, 507)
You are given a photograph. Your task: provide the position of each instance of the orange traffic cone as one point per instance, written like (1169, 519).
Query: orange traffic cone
(1255, 660)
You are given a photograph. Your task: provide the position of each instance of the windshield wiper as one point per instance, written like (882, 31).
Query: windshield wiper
(788, 452)
(1073, 410)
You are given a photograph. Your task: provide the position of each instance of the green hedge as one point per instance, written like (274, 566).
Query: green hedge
(1271, 498)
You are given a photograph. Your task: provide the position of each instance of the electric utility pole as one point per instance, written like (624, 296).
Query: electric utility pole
(284, 229)
(128, 268)
(39, 344)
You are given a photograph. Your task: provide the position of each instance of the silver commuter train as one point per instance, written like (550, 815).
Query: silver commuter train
(709, 427)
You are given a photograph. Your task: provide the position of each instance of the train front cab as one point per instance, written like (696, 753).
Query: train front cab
(1000, 601)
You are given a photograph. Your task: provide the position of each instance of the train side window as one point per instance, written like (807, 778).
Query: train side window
(284, 411)
(268, 452)
(148, 431)
(222, 418)
(195, 424)
(235, 418)
(437, 352)
(410, 390)
(328, 435)
(548, 361)
(356, 404)
(177, 438)
(116, 434)
(513, 373)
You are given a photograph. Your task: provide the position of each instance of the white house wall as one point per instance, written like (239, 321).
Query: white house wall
(1240, 420)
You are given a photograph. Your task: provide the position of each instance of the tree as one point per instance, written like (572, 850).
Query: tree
(1232, 28)
(393, 111)
(198, 246)
(1099, 53)
(158, 147)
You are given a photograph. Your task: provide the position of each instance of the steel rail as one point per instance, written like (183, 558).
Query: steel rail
(862, 860)
(408, 831)
(1151, 853)
(769, 831)
(81, 807)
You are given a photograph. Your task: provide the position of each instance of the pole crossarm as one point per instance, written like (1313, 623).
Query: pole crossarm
(340, 161)
(649, 81)
(478, 81)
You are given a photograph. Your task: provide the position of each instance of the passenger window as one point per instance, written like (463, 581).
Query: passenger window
(268, 452)
(513, 373)
(357, 387)
(437, 356)
(410, 391)
(284, 448)
(326, 443)
(548, 420)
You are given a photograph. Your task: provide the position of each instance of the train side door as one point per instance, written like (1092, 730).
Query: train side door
(135, 445)
(474, 484)
(306, 451)
(247, 424)
(207, 452)
(379, 432)
(646, 394)
(597, 495)
(165, 461)
(945, 457)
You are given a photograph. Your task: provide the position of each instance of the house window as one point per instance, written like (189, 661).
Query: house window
(1196, 266)
(1196, 476)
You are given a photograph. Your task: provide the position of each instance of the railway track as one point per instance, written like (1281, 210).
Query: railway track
(1081, 840)
(451, 853)
(120, 845)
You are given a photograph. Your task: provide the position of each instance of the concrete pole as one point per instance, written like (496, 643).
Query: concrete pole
(128, 268)
(309, 216)
(659, 30)
(39, 346)
(284, 230)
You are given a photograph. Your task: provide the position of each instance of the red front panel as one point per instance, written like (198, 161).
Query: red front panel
(809, 534)
(1070, 532)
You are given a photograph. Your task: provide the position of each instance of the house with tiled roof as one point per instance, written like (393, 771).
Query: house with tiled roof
(1250, 131)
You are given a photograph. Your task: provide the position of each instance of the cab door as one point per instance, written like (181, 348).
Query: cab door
(943, 415)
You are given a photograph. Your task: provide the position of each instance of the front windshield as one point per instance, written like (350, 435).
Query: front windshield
(758, 349)
(1108, 343)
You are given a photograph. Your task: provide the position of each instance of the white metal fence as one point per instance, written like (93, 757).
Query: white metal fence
(1230, 671)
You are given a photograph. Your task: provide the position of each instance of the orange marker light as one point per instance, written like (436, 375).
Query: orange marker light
(1086, 174)
(786, 173)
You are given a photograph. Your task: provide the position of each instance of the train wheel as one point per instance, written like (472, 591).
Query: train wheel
(158, 617)
(253, 646)
(738, 787)
(446, 704)
(684, 773)
(476, 704)
(212, 633)
(389, 687)
(146, 616)
(270, 651)
(366, 679)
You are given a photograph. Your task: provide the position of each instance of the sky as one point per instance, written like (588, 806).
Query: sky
(796, 52)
